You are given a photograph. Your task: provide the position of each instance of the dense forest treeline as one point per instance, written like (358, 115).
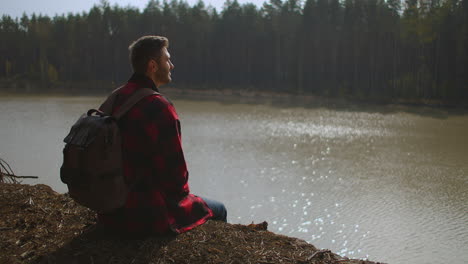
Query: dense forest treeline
(413, 49)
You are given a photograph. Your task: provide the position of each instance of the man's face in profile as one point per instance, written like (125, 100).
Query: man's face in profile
(163, 73)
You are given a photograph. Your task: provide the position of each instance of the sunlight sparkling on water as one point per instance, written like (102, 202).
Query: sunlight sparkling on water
(294, 129)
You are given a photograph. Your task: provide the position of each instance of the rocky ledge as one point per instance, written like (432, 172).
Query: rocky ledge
(38, 225)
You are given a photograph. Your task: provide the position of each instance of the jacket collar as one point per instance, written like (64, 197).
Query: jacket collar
(143, 81)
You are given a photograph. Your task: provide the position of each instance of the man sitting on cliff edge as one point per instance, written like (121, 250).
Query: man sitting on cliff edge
(153, 160)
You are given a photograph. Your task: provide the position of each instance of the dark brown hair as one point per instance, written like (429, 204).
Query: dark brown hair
(144, 49)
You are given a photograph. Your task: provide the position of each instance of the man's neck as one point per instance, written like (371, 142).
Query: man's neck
(153, 79)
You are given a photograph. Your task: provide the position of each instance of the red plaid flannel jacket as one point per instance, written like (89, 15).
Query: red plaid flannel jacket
(153, 162)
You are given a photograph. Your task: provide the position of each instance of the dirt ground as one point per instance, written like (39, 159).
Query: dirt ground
(38, 225)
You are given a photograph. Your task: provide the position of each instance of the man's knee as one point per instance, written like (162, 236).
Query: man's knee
(220, 212)
(218, 209)
(224, 213)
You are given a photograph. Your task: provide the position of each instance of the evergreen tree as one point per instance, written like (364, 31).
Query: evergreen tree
(374, 49)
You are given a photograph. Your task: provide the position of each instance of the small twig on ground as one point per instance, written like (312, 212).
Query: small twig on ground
(320, 252)
(20, 177)
(7, 174)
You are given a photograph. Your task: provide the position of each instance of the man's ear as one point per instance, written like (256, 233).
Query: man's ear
(152, 66)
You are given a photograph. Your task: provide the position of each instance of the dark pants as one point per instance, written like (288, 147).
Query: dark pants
(219, 211)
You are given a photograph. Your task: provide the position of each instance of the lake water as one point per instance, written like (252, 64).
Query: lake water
(389, 184)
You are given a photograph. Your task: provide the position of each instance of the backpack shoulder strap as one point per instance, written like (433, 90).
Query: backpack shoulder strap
(134, 98)
(108, 104)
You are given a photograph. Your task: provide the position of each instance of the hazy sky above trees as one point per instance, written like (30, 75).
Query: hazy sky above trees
(15, 8)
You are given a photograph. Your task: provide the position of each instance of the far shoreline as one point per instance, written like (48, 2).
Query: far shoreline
(239, 95)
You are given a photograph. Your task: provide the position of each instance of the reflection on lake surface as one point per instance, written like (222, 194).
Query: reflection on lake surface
(388, 185)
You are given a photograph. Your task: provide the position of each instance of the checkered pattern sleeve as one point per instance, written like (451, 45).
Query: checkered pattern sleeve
(164, 147)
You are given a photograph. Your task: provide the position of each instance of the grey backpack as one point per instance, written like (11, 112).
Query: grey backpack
(92, 156)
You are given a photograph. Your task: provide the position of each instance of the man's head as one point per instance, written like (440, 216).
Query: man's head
(149, 56)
